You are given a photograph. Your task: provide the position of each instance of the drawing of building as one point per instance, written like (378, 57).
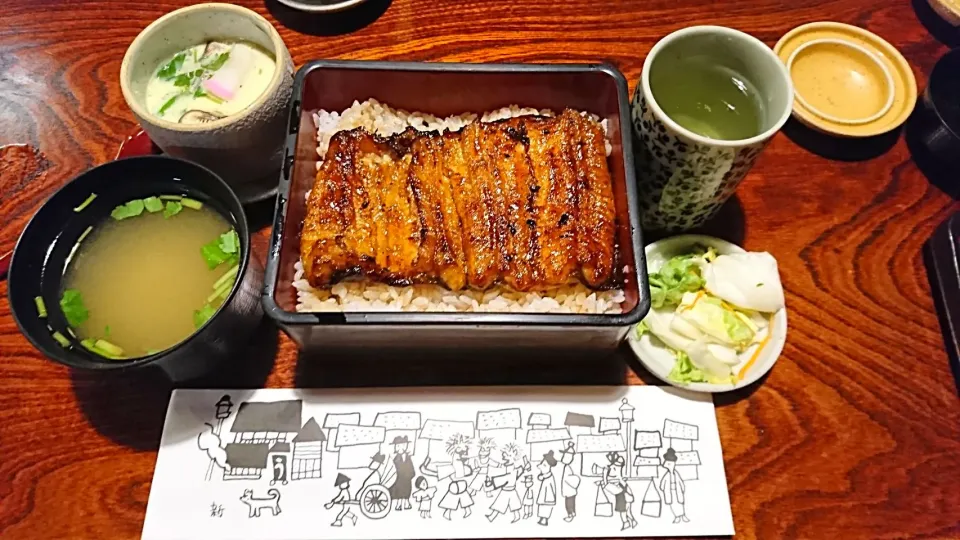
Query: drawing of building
(256, 427)
(647, 463)
(308, 451)
(501, 425)
(398, 424)
(356, 445)
(438, 431)
(543, 440)
(681, 437)
(579, 424)
(538, 420)
(688, 464)
(609, 425)
(594, 450)
(332, 421)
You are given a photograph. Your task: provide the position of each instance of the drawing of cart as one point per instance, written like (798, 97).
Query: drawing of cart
(374, 501)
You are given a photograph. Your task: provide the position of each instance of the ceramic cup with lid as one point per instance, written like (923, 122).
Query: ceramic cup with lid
(685, 176)
(246, 148)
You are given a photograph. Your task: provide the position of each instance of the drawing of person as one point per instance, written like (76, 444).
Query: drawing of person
(528, 497)
(570, 482)
(403, 463)
(457, 495)
(505, 480)
(672, 487)
(547, 496)
(343, 499)
(424, 496)
(374, 478)
(614, 483)
(482, 464)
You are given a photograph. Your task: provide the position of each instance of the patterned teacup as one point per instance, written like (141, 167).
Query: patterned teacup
(685, 177)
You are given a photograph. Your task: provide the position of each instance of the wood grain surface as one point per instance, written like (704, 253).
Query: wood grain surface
(855, 433)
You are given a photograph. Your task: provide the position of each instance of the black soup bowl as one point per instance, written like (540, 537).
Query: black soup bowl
(938, 116)
(44, 248)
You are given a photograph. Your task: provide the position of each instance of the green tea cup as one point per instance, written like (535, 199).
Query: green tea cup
(709, 100)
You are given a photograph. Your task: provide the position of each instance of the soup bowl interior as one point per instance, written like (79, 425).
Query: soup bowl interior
(44, 249)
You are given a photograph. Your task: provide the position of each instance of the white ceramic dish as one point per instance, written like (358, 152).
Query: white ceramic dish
(659, 360)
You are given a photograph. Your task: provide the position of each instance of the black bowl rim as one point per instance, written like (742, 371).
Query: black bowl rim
(368, 318)
(934, 97)
(62, 355)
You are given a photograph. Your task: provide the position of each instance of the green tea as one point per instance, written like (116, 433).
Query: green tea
(709, 99)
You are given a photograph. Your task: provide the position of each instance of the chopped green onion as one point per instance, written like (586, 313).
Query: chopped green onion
(190, 203)
(130, 209)
(71, 303)
(153, 204)
(228, 276)
(61, 339)
(171, 197)
(42, 308)
(106, 331)
(152, 352)
(222, 290)
(170, 69)
(106, 346)
(85, 203)
(213, 254)
(85, 233)
(202, 315)
(169, 103)
(218, 62)
(89, 344)
(171, 209)
(230, 241)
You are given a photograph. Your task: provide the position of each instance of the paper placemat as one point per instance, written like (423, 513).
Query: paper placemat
(493, 462)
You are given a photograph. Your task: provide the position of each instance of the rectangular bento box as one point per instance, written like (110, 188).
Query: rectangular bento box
(444, 89)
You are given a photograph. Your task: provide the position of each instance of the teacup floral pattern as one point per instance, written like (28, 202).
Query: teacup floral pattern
(682, 183)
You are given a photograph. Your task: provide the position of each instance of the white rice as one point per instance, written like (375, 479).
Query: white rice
(364, 295)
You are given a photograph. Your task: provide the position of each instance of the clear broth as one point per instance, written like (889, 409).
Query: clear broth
(707, 98)
(143, 277)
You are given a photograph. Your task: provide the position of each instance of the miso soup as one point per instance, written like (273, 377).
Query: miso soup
(147, 278)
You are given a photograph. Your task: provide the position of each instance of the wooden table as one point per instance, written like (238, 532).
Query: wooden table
(855, 434)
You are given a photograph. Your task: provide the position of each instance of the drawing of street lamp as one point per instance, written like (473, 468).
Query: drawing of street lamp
(224, 407)
(626, 418)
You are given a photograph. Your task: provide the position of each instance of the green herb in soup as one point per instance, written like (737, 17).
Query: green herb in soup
(144, 280)
(209, 81)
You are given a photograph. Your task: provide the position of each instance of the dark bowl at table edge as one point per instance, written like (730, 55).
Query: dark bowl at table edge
(196, 355)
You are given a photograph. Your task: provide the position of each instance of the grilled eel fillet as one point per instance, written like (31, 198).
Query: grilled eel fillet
(527, 202)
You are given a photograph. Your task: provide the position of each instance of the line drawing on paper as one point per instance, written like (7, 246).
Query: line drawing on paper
(673, 488)
(547, 495)
(343, 500)
(569, 482)
(681, 437)
(256, 504)
(458, 470)
(402, 487)
(423, 495)
(356, 444)
(308, 451)
(503, 480)
(257, 427)
(332, 421)
(381, 465)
